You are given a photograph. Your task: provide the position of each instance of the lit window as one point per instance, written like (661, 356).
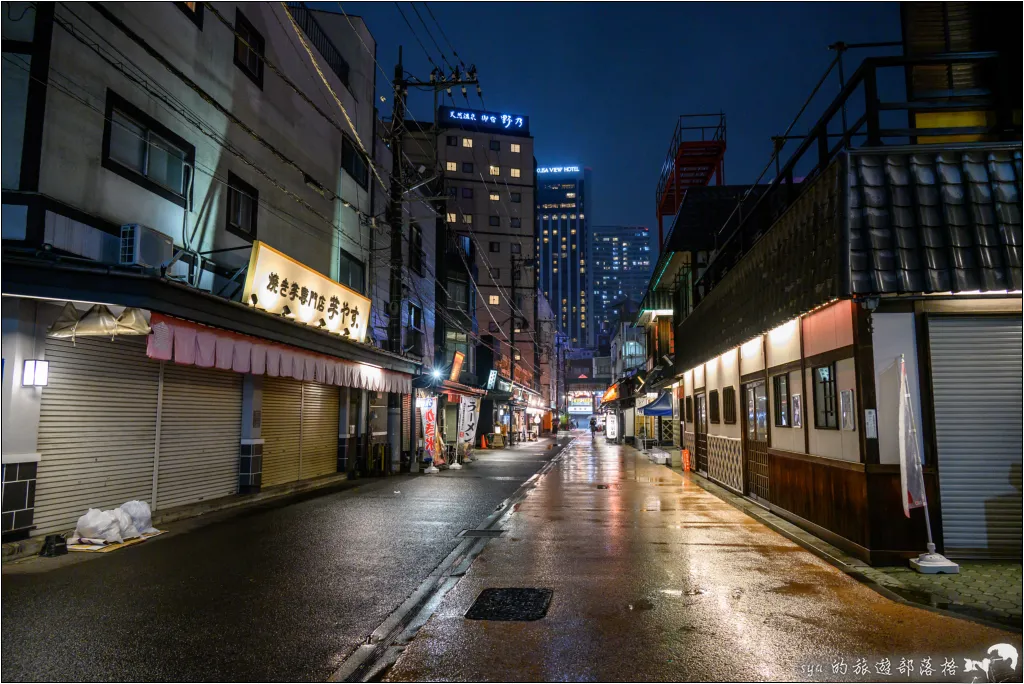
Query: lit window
(582, 269)
(515, 173)
(573, 231)
(545, 239)
(572, 216)
(570, 195)
(467, 218)
(564, 216)
(493, 299)
(451, 217)
(581, 215)
(495, 170)
(467, 142)
(451, 166)
(514, 147)
(494, 197)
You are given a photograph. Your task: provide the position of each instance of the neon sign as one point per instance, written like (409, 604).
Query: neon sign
(558, 169)
(487, 120)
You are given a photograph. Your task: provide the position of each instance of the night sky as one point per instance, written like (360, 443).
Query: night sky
(603, 83)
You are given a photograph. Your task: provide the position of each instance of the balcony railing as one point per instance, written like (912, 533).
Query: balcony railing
(318, 37)
(877, 123)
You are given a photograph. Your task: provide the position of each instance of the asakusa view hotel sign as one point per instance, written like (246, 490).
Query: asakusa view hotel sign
(490, 121)
(558, 169)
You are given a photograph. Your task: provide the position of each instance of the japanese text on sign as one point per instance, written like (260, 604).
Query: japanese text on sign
(279, 284)
(495, 120)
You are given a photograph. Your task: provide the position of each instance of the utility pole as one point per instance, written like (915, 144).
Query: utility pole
(395, 209)
(512, 342)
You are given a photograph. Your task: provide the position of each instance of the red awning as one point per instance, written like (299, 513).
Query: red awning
(193, 344)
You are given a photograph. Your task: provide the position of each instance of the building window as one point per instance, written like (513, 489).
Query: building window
(248, 49)
(354, 163)
(780, 390)
(350, 273)
(451, 191)
(139, 148)
(453, 141)
(495, 274)
(495, 197)
(416, 248)
(495, 246)
(467, 142)
(688, 410)
(713, 412)
(241, 208)
(570, 195)
(451, 217)
(517, 197)
(451, 166)
(494, 221)
(825, 397)
(495, 170)
(493, 300)
(493, 327)
(514, 147)
(467, 167)
(518, 222)
(467, 219)
(496, 145)
(516, 248)
(194, 11)
(467, 193)
(515, 173)
(729, 405)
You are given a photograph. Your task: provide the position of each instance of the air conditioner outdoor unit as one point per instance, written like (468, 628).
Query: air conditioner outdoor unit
(143, 246)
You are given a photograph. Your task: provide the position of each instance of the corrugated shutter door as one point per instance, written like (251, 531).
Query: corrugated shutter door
(200, 430)
(319, 430)
(282, 402)
(97, 429)
(976, 379)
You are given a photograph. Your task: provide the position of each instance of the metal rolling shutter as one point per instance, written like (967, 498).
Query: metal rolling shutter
(281, 432)
(406, 422)
(319, 430)
(976, 382)
(97, 428)
(200, 430)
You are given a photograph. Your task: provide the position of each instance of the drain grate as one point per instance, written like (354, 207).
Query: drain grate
(488, 534)
(510, 604)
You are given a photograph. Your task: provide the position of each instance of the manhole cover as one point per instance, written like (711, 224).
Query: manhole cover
(510, 605)
(490, 534)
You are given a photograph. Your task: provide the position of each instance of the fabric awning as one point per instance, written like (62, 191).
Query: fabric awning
(662, 406)
(459, 388)
(192, 344)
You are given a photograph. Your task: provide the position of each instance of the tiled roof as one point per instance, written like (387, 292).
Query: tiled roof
(927, 221)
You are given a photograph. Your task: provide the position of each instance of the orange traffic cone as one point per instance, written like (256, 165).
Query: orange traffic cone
(483, 442)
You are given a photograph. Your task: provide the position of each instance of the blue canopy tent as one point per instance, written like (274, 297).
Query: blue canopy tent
(662, 406)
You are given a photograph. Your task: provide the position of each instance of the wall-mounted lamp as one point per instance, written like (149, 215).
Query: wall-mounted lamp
(253, 298)
(323, 323)
(286, 312)
(346, 332)
(436, 374)
(36, 373)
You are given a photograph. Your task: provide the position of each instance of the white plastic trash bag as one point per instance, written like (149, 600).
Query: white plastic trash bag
(140, 515)
(99, 525)
(128, 529)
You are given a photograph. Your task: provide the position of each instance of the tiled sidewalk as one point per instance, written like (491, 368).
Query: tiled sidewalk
(989, 590)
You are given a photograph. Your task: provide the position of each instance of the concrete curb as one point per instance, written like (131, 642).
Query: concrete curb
(854, 567)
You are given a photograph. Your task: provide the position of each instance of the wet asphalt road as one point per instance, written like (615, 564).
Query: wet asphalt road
(655, 579)
(281, 593)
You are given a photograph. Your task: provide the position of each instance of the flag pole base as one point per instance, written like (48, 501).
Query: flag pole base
(431, 470)
(933, 563)
(455, 466)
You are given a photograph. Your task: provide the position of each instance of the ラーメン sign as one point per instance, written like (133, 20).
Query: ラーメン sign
(277, 283)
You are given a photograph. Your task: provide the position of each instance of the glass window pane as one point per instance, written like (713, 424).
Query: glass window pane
(166, 164)
(127, 142)
(761, 408)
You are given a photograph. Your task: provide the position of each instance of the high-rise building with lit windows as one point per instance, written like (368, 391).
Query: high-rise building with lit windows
(622, 259)
(563, 255)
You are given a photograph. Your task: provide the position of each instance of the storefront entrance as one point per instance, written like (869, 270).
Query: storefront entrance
(700, 432)
(755, 440)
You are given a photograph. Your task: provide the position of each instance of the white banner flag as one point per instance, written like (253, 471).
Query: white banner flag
(469, 416)
(911, 474)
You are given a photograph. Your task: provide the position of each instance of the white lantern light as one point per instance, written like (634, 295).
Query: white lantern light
(36, 373)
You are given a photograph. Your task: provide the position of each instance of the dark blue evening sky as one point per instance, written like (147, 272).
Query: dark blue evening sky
(603, 83)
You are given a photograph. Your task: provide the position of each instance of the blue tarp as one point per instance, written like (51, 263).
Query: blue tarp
(662, 406)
